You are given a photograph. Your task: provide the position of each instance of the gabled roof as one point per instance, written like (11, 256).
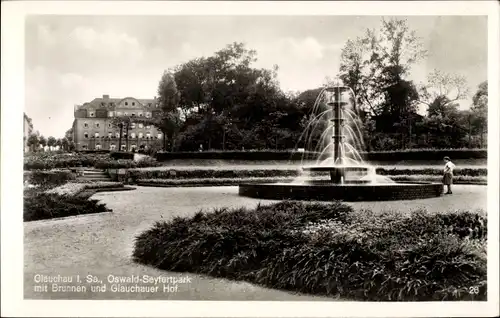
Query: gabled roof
(110, 103)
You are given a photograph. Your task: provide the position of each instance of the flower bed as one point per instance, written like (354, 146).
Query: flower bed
(41, 206)
(48, 178)
(357, 255)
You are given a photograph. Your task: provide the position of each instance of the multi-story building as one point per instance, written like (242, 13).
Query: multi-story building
(28, 130)
(93, 127)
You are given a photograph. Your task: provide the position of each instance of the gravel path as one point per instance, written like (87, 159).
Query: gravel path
(101, 244)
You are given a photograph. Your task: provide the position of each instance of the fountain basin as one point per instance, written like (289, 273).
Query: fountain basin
(346, 192)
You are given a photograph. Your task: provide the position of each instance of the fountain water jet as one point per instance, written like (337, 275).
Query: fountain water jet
(351, 179)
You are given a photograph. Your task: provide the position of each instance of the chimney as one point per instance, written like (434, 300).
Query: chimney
(105, 96)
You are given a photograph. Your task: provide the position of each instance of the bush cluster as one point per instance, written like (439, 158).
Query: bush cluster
(433, 178)
(355, 255)
(41, 206)
(48, 178)
(264, 155)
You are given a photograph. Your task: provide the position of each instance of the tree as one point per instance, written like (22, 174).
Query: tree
(443, 89)
(51, 142)
(42, 141)
(479, 111)
(375, 67)
(59, 143)
(170, 118)
(33, 142)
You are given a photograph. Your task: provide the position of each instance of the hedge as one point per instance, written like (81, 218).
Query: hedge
(203, 182)
(174, 173)
(328, 249)
(412, 154)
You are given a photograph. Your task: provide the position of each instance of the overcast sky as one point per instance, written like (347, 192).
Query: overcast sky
(71, 60)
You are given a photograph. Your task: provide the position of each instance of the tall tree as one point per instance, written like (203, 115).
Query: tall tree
(170, 118)
(479, 111)
(51, 142)
(33, 142)
(42, 141)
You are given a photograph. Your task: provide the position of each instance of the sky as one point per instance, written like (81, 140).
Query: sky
(71, 60)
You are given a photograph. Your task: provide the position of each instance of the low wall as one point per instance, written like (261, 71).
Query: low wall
(386, 192)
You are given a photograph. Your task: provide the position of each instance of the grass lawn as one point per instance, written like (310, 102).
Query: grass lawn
(102, 244)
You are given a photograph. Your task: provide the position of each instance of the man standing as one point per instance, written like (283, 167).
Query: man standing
(448, 174)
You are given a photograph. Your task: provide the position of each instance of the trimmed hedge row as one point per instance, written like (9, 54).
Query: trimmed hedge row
(277, 173)
(100, 161)
(201, 182)
(416, 154)
(356, 255)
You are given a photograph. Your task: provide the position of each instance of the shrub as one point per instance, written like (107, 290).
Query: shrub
(50, 205)
(48, 178)
(327, 249)
(210, 173)
(474, 172)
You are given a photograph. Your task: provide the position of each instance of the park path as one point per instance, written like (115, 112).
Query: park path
(101, 244)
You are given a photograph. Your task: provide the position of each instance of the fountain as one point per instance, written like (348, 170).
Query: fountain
(351, 179)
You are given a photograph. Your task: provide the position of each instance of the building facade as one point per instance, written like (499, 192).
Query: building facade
(93, 127)
(28, 130)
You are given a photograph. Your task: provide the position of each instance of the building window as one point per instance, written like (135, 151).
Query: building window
(97, 146)
(133, 103)
(141, 135)
(112, 147)
(124, 147)
(133, 147)
(97, 125)
(133, 114)
(109, 125)
(86, 135)
(84, 146)
(148, 114)
(96, 135)
(126, 103)
(110, 134)
(141, 125)
(132, 135)
(118, 114)
(126, 114)
(103, 104)
(148, 136)
(148, 127)
(112, 104)
(159, 136)
(92, 114)
(110, 114)
(140, 114)
(117, 135)
(149, 104)
(86, 125)
(132, 125)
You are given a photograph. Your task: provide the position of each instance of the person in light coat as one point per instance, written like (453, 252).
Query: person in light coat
(448, 174)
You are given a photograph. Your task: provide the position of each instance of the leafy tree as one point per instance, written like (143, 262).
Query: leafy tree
(42, 141)
(51, 142)
(33, 142)
(479, 111)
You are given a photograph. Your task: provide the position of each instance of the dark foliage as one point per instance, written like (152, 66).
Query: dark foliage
(48, 178)
(357, 255)
(122, 155)
(41, 206)
(390, 156)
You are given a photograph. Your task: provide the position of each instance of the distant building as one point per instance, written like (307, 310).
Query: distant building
(28, 130)
(93, 128)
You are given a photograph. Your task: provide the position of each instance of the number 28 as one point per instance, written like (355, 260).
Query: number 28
(474, 290)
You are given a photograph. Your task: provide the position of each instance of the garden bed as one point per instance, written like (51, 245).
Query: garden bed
(328, 249)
